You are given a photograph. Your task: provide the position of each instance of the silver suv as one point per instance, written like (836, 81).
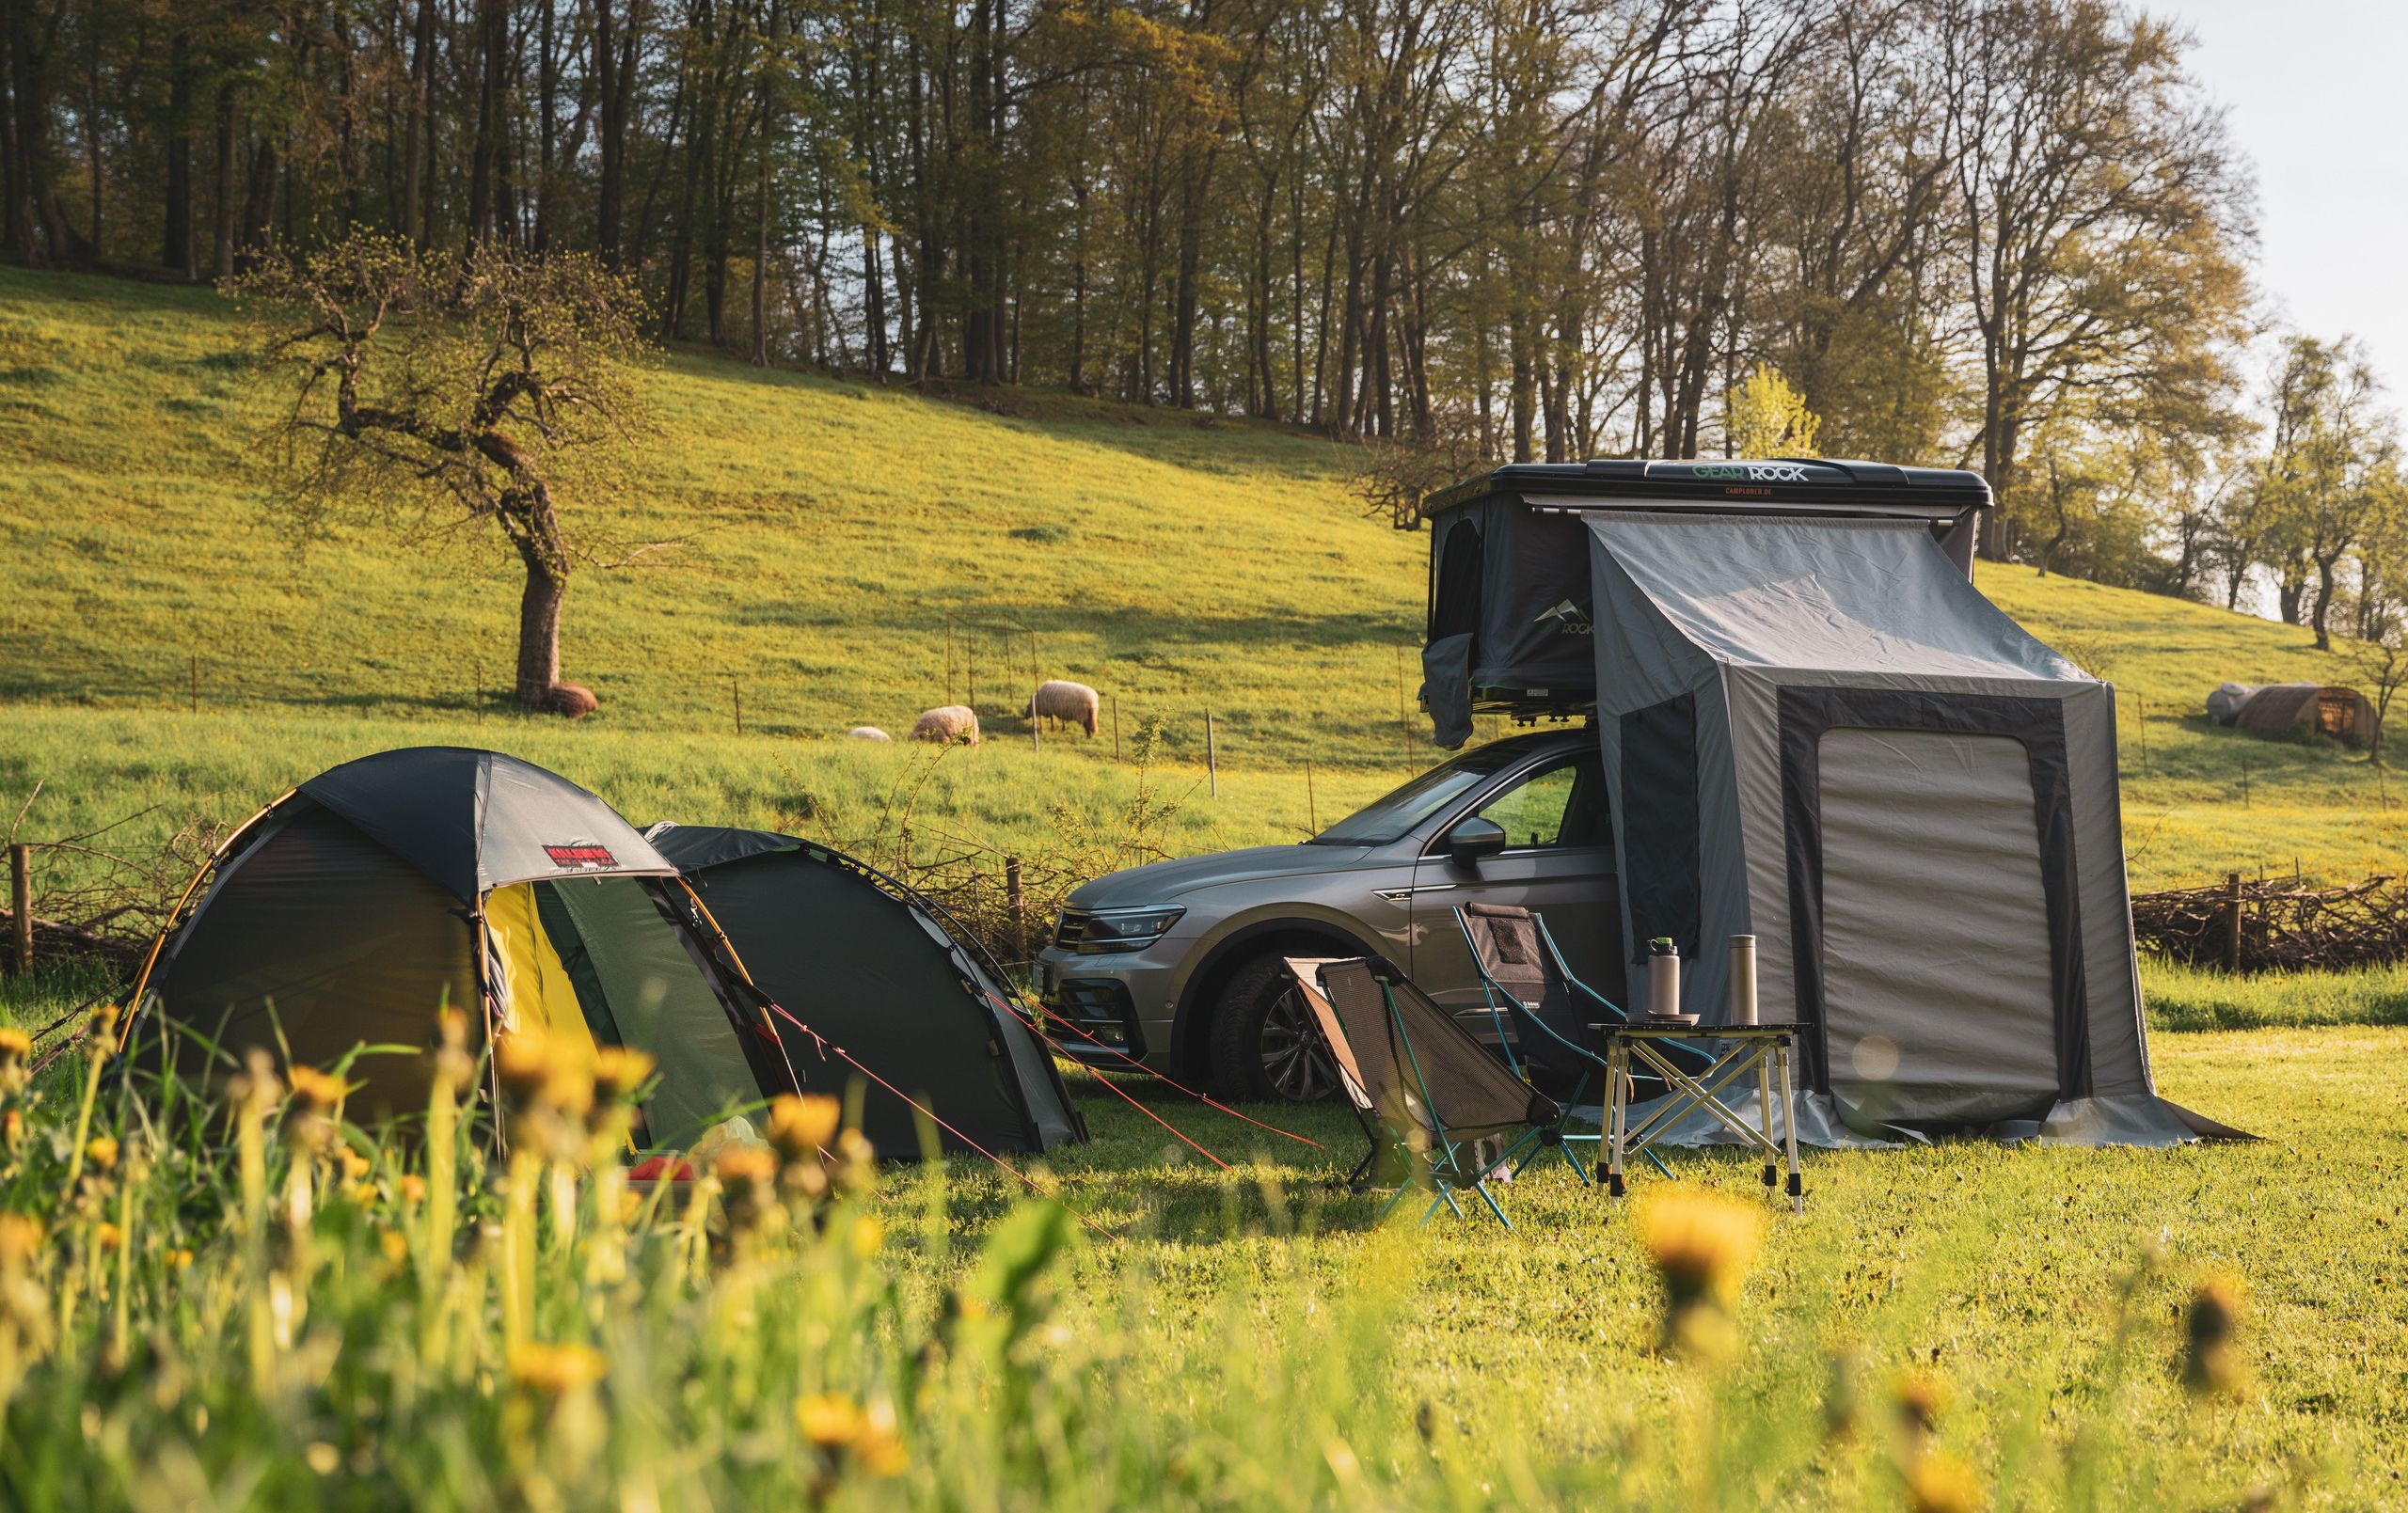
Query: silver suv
(1178, 962)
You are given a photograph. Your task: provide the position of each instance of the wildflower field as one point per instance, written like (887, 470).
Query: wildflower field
(249, 1302)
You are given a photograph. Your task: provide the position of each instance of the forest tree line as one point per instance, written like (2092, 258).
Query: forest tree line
(2007, 234)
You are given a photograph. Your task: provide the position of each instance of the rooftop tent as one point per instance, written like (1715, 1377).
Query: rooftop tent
(870, 965)
(1511, 607)
(353, 907)
(1818, 732)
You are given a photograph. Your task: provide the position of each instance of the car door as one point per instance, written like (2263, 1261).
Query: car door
(1557, 862)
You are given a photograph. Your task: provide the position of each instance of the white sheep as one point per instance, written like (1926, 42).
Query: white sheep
(946, 724)
(867, 732)
(1062, 700)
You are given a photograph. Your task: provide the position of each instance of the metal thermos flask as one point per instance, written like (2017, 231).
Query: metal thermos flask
(1663, 978)
(1743, 979)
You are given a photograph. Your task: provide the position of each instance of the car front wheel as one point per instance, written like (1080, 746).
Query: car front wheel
(1265, 1046)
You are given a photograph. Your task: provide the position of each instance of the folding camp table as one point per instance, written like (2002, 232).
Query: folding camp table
(1762, 1048)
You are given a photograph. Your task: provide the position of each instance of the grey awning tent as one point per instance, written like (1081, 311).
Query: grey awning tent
(1816, 731)
(870, 965)
(351, 911)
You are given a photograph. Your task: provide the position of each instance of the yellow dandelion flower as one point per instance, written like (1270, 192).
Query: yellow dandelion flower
(355, 1166)
(802, 1128)
(1942, 1483)
(1700, 1243)
(178, 1259)
(101, 1153)
(867, 1236)
(108, 1236)
(556, 1370)
(395, 1246)
(316, 1091)
(745, 1163)
(15, 1046)
(877, 1448)
(413, 1188)
(20, 1238)
(2211, 1360)
(831, 1421)
(620, 1070)
(523, 1063)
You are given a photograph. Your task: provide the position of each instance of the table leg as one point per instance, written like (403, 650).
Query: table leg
(1764, 1111)
(1789, 1119)
(1618, 1072)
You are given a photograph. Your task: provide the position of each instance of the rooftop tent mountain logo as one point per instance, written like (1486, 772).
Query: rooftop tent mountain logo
(582, 855)
(1567, 618)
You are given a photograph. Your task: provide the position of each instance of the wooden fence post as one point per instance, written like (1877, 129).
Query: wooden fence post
(1116, 727)
(480, 693)
(738, 690)
(1312, 816)
(21, 908)
(1016, 904)
(196, 683)
(2232, 912)
(1211, 763)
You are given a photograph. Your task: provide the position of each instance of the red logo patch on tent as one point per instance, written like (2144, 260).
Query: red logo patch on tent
(580, 853)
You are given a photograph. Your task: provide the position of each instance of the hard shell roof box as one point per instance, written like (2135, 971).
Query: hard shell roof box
(1510, 609)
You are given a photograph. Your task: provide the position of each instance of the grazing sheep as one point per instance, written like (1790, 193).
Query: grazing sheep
(946, 724)
(867, 732)
(1061, 700)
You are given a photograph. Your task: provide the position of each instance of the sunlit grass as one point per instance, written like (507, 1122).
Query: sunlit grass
(829, 530)
(286, 1326)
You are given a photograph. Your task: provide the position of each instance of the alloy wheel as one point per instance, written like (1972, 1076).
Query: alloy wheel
(1294, 1061)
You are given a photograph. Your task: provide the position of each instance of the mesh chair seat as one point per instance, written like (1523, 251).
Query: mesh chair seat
(1406, 1063)
(1510, 952)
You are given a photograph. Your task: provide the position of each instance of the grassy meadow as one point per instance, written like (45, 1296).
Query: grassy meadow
(1947, 1329)
(825, 533)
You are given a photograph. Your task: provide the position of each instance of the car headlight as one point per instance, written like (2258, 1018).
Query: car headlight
(1099, 931)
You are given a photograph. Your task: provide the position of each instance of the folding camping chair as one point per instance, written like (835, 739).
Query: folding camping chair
(1522, 973)
(1410, 1069)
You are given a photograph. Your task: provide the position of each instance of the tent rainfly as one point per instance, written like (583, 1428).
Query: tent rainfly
(871, 966)
(1818, 732)
(351, 910)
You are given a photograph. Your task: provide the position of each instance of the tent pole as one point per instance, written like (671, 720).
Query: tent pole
(703, 912)
(142, 978)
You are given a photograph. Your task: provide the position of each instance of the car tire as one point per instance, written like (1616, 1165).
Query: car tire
(1264, 1045)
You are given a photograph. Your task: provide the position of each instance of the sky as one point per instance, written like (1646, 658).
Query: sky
(2314, 91)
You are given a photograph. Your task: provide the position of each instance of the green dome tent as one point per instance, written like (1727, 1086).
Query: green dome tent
(349, 911)
(871, 966)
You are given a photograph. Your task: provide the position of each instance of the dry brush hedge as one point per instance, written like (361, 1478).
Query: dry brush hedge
(2283, 926)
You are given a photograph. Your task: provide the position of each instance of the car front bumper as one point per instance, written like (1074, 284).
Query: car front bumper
(1115, 1005)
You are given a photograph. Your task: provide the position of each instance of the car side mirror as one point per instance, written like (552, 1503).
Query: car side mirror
(1473, 838)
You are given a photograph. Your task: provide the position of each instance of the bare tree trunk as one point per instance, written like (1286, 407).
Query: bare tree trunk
(539, 626)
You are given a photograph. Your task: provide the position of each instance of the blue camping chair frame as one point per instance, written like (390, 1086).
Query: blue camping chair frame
(1445, 1162)
(1503, 1001)
(1384, 1096)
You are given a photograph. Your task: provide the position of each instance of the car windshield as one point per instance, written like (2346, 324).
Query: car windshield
(1393, 817)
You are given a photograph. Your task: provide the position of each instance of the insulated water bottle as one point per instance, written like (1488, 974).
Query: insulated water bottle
(1663, 978)
(1743, 979)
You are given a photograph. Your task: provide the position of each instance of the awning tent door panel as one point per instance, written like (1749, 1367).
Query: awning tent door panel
(1935, 979)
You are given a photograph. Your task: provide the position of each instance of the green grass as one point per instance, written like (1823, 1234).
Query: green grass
(829, 530)
(1252, 1338)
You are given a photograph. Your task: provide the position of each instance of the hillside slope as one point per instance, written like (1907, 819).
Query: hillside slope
(851, 555)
